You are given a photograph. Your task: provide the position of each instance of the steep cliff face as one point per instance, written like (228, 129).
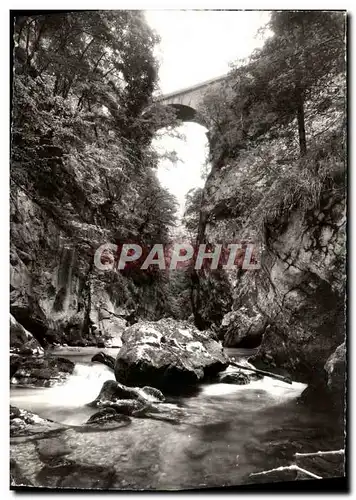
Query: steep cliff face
(83, 173)
(56, 291)
(302, 289)
(293, 307)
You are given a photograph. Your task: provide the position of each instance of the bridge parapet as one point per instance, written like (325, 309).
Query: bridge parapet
(187, 101)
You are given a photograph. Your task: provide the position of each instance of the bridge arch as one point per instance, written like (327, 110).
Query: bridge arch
(188, 114)
(186, 102)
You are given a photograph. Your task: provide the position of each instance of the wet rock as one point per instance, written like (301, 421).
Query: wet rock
(107, 414)
(113, 391)
(154, 393)
(130, 407)
(40, 371)
(51, 448)
(24, 422)
(107, 360)
(17, 476)
(167, 354)
(238, 378)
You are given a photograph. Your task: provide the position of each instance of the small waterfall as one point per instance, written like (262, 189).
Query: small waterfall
(82, 386)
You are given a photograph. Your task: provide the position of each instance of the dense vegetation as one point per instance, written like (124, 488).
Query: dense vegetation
(82, 123)
(83, 119)
(82, 83)
(281, 115)
(277, 137)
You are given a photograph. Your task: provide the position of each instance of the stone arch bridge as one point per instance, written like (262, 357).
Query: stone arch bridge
(186, 101)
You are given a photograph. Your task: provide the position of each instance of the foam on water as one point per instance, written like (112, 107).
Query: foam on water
(272, 387)
(82, 387)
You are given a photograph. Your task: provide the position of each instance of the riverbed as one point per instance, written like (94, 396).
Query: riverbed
(225, 432)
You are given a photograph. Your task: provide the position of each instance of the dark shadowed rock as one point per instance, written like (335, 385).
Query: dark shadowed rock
(40, 371)
(22, 341)
(15, 363)
(238, 378)
(107, 360)
(108, 414)
(243, 328)
(168, 355)
(26, 310)
(335, 368)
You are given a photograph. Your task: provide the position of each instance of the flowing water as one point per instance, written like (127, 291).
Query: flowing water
(226, 432)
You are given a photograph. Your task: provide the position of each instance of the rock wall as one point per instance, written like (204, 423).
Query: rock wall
(56, 293)
(294, 306)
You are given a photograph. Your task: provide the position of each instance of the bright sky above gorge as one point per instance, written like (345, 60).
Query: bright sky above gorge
(197, 46)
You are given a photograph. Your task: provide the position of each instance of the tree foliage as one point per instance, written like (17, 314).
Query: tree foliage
(81, 133)
(291, 79)
(277, 124)
(193, 200)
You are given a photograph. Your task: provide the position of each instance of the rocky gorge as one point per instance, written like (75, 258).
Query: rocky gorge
(146, 379)
(293, 307)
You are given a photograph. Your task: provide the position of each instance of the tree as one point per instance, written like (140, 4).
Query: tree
(81, 136)
(294, 67)
(193, 200)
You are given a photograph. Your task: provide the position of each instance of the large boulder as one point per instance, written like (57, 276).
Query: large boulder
(243, 328)
(168, 354)
(113, 391)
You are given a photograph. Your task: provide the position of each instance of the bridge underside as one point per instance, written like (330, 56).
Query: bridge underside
(187, 114)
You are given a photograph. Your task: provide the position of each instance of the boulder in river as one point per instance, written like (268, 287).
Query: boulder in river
(237, 377)
(168, 354)
(113, 391)
(108, 414)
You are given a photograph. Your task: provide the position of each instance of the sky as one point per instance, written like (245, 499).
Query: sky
(197, 46)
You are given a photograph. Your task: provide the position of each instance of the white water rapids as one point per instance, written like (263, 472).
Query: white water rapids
(66, 403)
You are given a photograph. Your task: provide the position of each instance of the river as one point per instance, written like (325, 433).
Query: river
(226, 432)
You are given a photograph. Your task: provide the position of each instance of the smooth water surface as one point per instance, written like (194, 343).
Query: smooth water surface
(225, 431)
